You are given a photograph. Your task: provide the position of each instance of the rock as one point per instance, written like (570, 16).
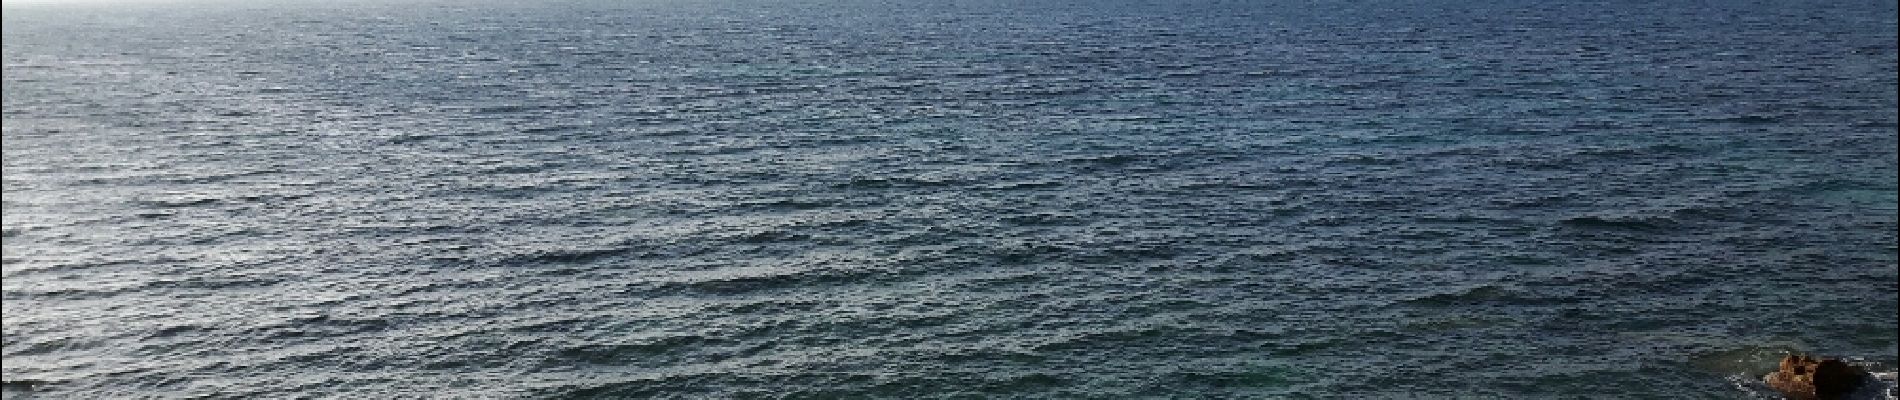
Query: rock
(1804, 378)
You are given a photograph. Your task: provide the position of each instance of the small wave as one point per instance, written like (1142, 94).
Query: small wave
(19, 231)
(566, 256)
(728, 285)
(1654, 149)
(792, 203)
(1886, 385)
(1636, 223)
(625, 353)
(1023, 185)
(1364, 159)
(178, 201)
(1835, 185)
(1045, 219)
(897, 182)
(317, 327)
(1108, 339)
(1111, 159)
(23, 385)
(551, 128)
(1250, 378)
(1748, 119)
(519, 108)
(98, 291)
(1482, 294)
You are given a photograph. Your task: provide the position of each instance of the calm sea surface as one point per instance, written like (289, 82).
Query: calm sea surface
(843, 198)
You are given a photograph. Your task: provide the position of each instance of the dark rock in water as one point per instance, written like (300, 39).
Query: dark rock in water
(1804, 378)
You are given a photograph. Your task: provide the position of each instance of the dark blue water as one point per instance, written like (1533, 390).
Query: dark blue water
(843, 198)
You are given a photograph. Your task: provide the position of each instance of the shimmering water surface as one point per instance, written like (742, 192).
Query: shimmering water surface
(844, 198)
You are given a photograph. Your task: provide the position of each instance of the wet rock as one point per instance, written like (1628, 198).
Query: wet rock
(1805, 378)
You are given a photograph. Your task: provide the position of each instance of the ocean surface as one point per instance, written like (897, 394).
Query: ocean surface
(964, 199)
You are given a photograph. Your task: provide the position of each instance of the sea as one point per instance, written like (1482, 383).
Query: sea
(815, 199)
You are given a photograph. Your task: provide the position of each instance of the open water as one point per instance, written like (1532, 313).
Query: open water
(963, 199)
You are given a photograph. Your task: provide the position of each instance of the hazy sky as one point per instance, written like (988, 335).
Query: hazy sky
(54, 2)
